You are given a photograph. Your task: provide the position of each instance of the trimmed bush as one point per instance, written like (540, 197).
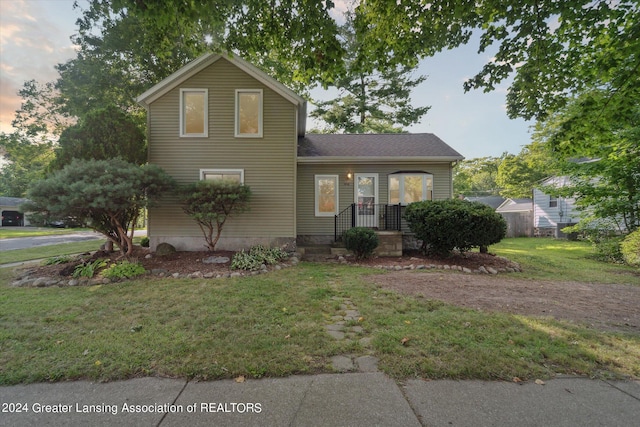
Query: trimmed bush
(144, 242)
(361, 241)
(445, 225)
(630, 248)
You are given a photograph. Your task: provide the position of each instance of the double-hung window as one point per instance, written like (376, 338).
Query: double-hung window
(248, 123)
(194, 115)
(230, 175)
(409, 187)
(326, 195)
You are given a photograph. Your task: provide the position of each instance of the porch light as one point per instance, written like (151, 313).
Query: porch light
(349, 175)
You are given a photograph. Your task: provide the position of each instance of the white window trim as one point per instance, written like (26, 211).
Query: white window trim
(237, 111)
(203, 172)
(401, 186)
(316, 193)
(183, 134)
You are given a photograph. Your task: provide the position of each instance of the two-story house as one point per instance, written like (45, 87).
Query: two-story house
(220, 117)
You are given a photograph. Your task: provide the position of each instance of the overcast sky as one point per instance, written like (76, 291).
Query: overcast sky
(34, 37)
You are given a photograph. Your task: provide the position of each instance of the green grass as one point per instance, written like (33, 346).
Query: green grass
(43, 252)
(554, 259)
(12, 232)
(273, 325)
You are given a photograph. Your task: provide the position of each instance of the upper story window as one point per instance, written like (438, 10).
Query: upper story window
(194, 112)
(553, 202)
(409, 187)
(248, 113)
(230, 175)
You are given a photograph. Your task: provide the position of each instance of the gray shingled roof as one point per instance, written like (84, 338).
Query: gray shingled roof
(376, 145)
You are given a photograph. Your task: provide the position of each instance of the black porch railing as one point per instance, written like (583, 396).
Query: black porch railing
(378, 217)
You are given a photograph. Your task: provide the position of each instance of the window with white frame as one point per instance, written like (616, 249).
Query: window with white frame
(553, 202)
(230, 175)
(194, 114)
(326, 195)
(409, 187)
(248, 113)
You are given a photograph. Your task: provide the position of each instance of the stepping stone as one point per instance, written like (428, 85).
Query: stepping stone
(367, 364)
(336, 334)
(342, 363)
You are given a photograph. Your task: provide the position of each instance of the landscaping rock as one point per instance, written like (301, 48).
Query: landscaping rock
(216, 260)
(165, 249)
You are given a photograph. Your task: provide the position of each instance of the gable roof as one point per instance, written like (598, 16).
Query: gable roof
(516, 205)
(12, 201)
(208, 59)
(317, 148)
(492, 201)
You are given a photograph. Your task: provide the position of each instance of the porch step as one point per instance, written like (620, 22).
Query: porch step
(315, 250)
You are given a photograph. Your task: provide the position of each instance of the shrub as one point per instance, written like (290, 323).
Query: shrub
(630, 248)
(445, 225)
(144, 242)
(89, 269)
(257, 256)
(361, 241)
(124, 270)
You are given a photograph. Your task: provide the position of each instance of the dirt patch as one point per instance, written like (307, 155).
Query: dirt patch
(604, 307)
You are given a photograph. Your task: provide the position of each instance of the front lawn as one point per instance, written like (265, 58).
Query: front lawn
(274, 325)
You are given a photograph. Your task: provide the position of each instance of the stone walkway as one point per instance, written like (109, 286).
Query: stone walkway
(345, 326)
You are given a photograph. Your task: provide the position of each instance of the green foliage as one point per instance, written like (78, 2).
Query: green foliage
(26, 163)
(144, 242)
(361, 241)
(211, 202)
(256, 257)
(630, 248)
(102, 134)
(602, 132)
(552, 49)
(89, 269)
(374, 98)
(445, 225)
(106, 195)
(477, 177)
(519, 174)
(123, 270)
(62, 259)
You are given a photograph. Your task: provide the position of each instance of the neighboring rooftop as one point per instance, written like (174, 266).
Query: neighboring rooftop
(425, 146)
(516, 205)
(493, 201)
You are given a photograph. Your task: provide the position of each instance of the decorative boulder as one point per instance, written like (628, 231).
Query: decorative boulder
(164, 249)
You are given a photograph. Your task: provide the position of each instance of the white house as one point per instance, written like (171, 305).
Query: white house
(551, 214)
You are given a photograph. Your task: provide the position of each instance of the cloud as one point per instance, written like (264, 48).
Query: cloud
(34, 37)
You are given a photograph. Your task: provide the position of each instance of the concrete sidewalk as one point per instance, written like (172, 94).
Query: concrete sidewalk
(354, 399)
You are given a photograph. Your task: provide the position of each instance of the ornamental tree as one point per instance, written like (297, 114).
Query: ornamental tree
(211, 203)
(107, 195)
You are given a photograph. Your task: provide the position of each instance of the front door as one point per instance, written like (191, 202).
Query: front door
(366, 199)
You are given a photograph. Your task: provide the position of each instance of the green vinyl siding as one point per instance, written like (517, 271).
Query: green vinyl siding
(269, 162)
(309, 224)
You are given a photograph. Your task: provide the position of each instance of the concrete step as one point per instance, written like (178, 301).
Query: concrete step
(315, 250)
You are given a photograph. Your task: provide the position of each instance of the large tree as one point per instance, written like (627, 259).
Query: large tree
(373, 97)
(519, 174)
(25, 163)
(552, 49)
(597, 140)
(107, 195)
(476, 177)
(102, 134)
